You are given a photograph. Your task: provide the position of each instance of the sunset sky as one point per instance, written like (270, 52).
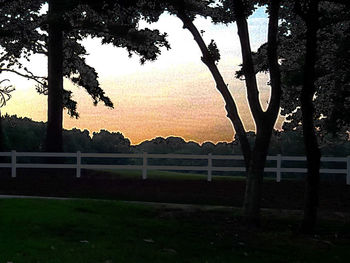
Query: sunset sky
(174, 95)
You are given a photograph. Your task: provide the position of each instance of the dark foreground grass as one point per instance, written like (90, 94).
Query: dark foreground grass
(173, 175)
(108, 231)
(165, 175)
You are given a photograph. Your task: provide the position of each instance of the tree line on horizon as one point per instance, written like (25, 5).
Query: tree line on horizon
(306, 56)
(26, 135)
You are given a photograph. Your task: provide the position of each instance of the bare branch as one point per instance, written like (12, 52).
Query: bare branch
(38, 79)
(248, 65)
(231, 108)
(5, 93)
(272, 56)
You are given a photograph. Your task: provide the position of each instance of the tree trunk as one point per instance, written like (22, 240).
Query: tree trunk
(54, 141)
(1, 137)
(253, 191)
(2, 147)
(264, 121)
(313, 153)
(231, 108)
(254, 160)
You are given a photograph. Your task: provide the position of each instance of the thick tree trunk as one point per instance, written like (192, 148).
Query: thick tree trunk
(313, 153)
(54, 141)
(253, 191)
(313, 156)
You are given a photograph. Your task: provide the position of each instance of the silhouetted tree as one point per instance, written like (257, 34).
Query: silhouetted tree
(105, 141)
(313, 153)
(24, 134)
(314, 51)
(309, 12)
(67, 22)
(54, 140)
(22, 34)
(77, 140)
(332, 77)
(238, 11)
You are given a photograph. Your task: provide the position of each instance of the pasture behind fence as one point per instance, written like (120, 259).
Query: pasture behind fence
(209, 168)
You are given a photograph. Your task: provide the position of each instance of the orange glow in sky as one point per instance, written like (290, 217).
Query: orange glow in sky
(173, 96)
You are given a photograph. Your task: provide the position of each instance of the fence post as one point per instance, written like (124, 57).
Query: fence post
(278, 172)
(78, 164)
(348, 171)
(13, 164)
(210, 165)
(144, 166)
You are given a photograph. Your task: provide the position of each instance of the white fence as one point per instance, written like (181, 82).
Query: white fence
(209, 168)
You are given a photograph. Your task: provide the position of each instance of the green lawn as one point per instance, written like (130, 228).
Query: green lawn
(109, 231)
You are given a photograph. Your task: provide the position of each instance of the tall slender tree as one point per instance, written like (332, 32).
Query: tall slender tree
(238, 11)
(313, 153)
(264, 121)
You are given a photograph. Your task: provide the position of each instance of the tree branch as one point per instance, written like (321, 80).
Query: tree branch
(248, 65)
(5, 93)
(231, 108)
(31, 76)
(272, 56)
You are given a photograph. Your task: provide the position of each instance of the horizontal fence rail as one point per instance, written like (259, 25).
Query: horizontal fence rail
(145, 157)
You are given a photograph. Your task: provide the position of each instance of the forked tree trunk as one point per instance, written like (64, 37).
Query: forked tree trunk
(255, 159)
(264, 121)
(231, 108)
(54, 141)
(313, 153)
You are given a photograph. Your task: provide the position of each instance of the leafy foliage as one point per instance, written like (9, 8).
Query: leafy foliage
(214, 51)
(24, 26)
(332, 98)
(23, 134)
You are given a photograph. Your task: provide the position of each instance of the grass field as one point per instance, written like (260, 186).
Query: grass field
(168, 187)
(173, 175)
(108, 232)
(169, 175)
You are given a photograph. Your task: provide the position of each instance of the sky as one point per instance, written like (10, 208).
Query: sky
(172, 96)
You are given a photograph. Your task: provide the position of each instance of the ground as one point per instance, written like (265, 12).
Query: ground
(178, 223)
(91, 231)
(288, 194)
